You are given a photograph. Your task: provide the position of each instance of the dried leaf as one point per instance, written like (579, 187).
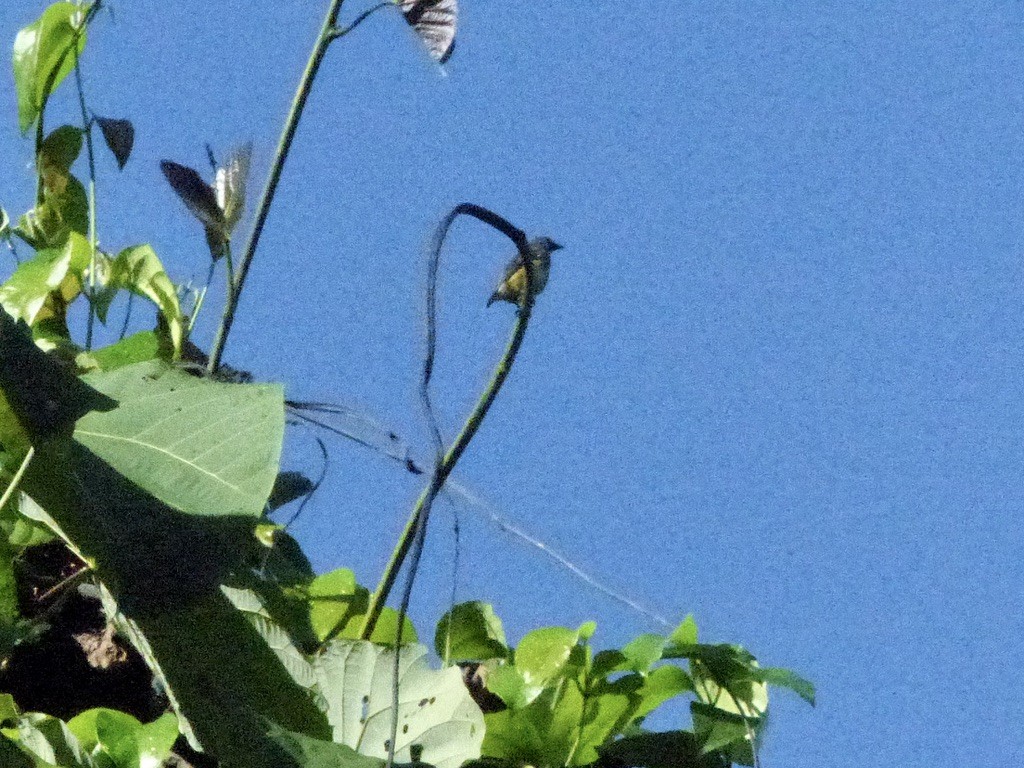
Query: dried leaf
(120, 138)
(435, 22)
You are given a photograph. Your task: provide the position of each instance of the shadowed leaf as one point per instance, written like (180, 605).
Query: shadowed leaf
(43, 394)
(120, 138)
(60, 148)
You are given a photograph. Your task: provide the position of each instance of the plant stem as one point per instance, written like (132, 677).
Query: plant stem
(447, 464)
(284, 145)
(93, 238)
(16, 480)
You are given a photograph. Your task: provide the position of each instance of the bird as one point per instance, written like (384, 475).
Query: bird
(513, 283)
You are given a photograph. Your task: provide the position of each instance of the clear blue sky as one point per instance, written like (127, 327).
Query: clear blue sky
(775, 380)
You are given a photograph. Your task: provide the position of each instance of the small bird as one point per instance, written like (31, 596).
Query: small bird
(513, 284)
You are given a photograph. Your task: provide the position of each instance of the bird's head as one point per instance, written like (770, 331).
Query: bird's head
(544, 245)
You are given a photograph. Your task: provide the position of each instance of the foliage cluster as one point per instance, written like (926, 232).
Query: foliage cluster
(158, 484)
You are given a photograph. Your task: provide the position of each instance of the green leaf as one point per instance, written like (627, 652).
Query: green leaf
(140, 347)
(685, 633)
(154, 740)
(20, 529)
(542, 656)
(61, 148)
(42, 57)
(222, 677)
(12, 757)
(73, 206)
(54, 272)
(641, 654)
(331, 596)
(50, 740)
(336, 612)
(8, 709)
(123, 739)
(470, 632)
(512, 737)
(139, 270)
(200, 446)
(787, 678)
(613, 707)
(316, 753)
(725, 732)
(119, 136)
(506, 682)
(5, 224)
(435, 712)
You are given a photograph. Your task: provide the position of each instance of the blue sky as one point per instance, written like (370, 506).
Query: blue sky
(775, 379)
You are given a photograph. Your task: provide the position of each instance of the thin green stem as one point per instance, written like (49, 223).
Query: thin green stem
(16, 480)
(93, 237)
(201, 297)
(127, 316)
(229, 263)
(291, 124)
(441, 472)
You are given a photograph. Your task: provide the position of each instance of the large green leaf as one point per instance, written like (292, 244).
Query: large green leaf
(42, 57)
(437, 719)
(200, 446)
(164, 568)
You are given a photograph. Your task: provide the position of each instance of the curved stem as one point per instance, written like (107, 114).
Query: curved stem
(415, 528)
(284, 145)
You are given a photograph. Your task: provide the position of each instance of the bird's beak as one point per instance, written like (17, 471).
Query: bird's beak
(555, 246)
